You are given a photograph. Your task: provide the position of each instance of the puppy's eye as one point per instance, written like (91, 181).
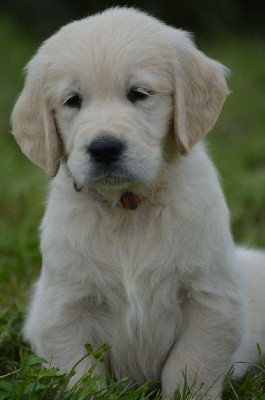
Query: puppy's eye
(74, 101)
(138, 94)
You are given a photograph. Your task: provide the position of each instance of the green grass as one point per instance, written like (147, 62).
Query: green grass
(237, 145)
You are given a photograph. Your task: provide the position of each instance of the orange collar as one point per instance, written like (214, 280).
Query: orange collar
(131, 201)
(128, 200)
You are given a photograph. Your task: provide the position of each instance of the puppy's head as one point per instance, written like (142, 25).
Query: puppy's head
(105, 95)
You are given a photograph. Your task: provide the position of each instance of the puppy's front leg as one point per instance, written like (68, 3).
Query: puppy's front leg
(63, 346)
(57, 331)
(201, 355)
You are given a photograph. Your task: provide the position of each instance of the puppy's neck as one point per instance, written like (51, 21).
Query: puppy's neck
(128, 200)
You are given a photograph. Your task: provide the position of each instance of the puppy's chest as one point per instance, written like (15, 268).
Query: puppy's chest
(131, 267)
(142, 294)
(146, 313)
(138, 294)
(149, 308)
(134, 267)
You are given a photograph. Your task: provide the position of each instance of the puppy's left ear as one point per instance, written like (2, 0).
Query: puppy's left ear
(200, 90)
(33, 125)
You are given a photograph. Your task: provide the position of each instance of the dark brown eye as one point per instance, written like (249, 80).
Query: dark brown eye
(138, 94)
(74, 101)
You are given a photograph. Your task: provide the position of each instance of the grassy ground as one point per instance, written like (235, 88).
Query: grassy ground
(237, 145)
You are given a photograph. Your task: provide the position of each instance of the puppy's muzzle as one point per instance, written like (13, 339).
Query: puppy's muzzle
(107, 155)
(105, 151)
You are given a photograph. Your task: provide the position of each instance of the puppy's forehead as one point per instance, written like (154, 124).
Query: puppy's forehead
(118, 37)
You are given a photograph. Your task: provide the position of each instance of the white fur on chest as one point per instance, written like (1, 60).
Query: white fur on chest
(126, 274)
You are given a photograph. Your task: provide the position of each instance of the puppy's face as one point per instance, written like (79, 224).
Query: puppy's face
(108, 92)
(113, 105)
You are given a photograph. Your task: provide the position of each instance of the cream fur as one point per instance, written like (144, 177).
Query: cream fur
(163, 285)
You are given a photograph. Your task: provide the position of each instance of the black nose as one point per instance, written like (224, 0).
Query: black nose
(105, 150)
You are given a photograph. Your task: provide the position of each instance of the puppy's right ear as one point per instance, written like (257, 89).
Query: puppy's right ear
(200, 91)
(33, 124)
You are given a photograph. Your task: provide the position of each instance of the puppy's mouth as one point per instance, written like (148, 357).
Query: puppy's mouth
(115, 178)
(111, 177)
(111, 181)
(115, 182)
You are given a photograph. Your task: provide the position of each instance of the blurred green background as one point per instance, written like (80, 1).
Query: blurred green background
(231, 31)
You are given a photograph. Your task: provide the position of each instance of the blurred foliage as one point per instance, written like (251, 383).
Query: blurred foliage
(204, 16)
(21, 184)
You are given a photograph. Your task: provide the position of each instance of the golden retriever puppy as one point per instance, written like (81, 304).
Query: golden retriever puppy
(136, 244)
